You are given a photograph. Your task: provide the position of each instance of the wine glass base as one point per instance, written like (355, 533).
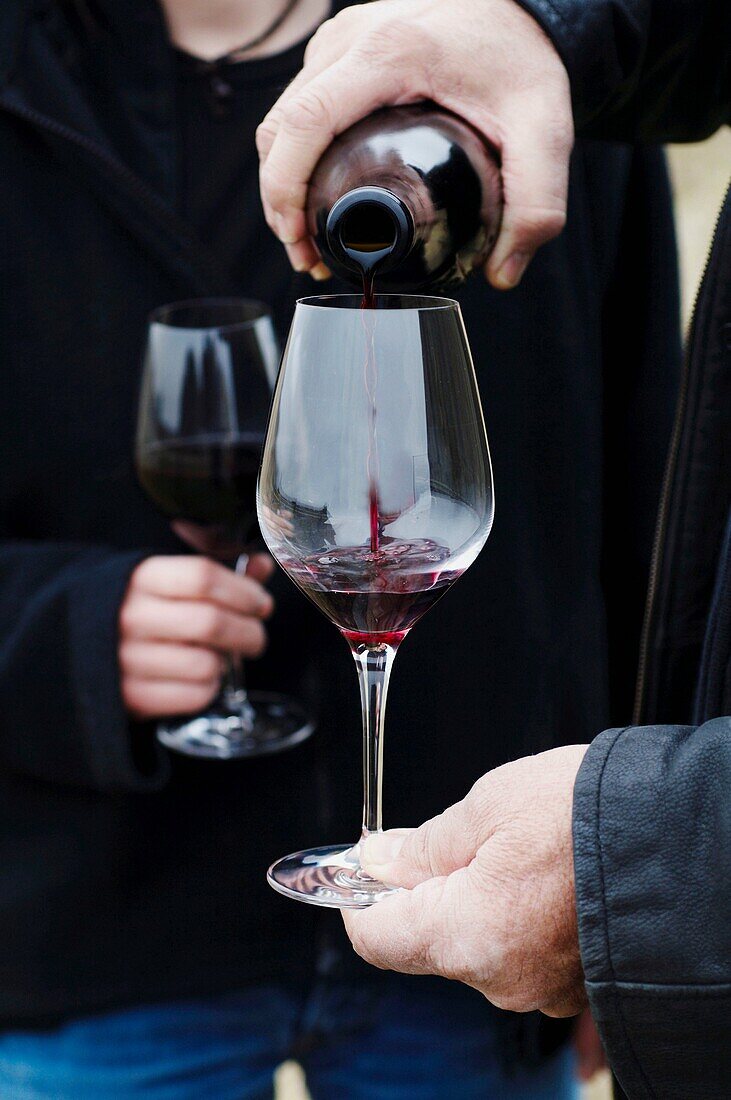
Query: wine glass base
(330, 876)
(276, 723)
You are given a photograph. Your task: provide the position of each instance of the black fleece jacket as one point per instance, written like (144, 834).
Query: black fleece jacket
(127, 874)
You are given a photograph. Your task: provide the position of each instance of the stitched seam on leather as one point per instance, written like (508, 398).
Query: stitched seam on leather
(661, 989)
(602, 882)
(600, 852)
(706, 311)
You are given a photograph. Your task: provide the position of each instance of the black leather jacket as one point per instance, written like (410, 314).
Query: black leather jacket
(652, 807)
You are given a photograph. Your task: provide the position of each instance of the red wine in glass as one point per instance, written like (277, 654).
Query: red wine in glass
(209, 371)
(375, 495)
(375, 598)
(208, 486)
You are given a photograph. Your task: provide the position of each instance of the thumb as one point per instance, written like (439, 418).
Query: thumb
(406, 857)
(399, 933)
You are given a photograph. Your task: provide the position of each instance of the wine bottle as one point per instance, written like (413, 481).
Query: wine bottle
(412, 195)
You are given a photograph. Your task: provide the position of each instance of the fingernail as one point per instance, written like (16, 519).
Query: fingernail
(384, 848)
(321, 272)
(300, 266)
(512, 271)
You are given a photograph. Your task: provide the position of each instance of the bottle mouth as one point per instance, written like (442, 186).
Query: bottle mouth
(370, 228)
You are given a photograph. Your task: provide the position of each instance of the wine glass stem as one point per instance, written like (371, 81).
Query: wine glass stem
(233, 689)
(374, 665)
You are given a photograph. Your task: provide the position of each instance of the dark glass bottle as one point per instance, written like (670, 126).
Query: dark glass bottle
(411, 194)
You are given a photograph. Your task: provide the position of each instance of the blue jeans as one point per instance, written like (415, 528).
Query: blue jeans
(405, 1039)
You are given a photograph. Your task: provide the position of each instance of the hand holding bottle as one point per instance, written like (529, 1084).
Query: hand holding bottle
(487, 61)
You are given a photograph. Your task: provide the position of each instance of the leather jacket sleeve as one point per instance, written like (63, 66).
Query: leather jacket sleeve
(643, 70)
(652, 856)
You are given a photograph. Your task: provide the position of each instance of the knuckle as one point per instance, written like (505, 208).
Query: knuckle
(320, 38)
(394, 35)
(266, 131)
(540, 224)
(480, 788)
(406, 52)
(126, 654)
(312, 109)
(259, 601)
(258, 640)
(203, 577)
(477, 805)
(135, 694)
(314, 46)
(129, 615)
(209, 623)
(427, 845)
(551, 223)
(208, 667)
(141, 573)
(275, 186)
(344, 20)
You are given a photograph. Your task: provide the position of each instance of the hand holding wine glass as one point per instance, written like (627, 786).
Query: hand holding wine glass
(210, 367)
(178, 617)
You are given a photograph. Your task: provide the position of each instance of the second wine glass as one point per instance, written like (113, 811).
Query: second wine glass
(375, 495)
(210, 366)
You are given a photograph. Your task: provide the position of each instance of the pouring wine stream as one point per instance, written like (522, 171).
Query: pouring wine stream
(417, 546)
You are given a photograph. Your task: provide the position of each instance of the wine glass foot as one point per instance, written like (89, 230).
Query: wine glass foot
(330, 876)
(272, 724)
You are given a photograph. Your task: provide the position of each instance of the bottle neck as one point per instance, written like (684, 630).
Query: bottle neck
(369, 229)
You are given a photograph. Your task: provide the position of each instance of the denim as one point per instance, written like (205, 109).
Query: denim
(401, 1039)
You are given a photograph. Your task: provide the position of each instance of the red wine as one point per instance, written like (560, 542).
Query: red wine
(368, 301)
(375, 520)
(208, 485)
(370, 375)
(376, 598)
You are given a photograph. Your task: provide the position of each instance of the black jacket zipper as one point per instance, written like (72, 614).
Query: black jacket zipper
(657, 560)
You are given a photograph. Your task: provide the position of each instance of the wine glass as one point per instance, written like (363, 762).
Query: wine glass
(375, 495)
(209, 371)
